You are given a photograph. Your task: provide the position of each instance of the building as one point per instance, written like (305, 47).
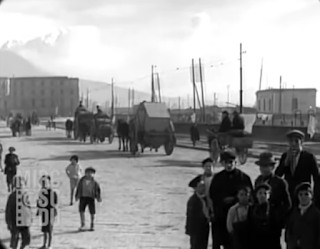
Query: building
(45, 95)
(286, 101)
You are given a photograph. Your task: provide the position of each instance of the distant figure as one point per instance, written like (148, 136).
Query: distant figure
(194, 134)
(11, 162)
(225, 125)
(99, 111)
(237, 121)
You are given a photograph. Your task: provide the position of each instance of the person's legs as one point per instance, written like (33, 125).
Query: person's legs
(92, 209)
(82, 208)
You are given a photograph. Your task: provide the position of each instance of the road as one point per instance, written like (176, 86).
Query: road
(144, 197)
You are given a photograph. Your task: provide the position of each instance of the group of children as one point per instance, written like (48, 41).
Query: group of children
(18, 209)
(253, 222)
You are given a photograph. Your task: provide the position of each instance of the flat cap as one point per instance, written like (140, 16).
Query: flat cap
(207, 160)
(227, 154)
(195, 181)
(304, 186)
(265, 159)
(295, 133)
(262, 186)
(12, 148)
(90, 169)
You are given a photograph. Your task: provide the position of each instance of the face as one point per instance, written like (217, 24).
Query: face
(229, 165)
(208, 168)
(223, 115)
(295, 144)
(45, 183)
(263, 195)
(266, 170)
(305, 197)
(200, 189)
(73, 161)
(89, 173)
(243, 196)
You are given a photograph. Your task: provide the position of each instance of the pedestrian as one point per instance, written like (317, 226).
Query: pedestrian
(18, 214)
(303, 228)
(280, 199)
(87, 191)
(198, 218)
(297, 166)
(262, 222)
(223, 192)
(237, 223)
(74, 172)
(11, 162)
(1, 151)
(47, 209)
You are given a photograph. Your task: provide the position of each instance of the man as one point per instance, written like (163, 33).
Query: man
(280, 199)
(237, 122)
(11, 162)
(225, 125)
(223, 192)
(297, 166)
(99, 111)
(194, 134)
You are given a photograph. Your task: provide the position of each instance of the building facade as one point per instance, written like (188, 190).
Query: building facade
(45, 95)
(286, 101)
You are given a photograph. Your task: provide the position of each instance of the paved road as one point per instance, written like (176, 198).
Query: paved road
(144, 197)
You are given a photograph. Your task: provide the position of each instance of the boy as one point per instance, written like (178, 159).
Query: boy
(198, 219)
(74, 172)
(88, 190)
(303, 226)
(262, 222)
(46, 205)
(18, 214)
(237, 219)
(11, 162)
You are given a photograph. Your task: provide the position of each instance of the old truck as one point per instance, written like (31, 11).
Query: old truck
(152, 127)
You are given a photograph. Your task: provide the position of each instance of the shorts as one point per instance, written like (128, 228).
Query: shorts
(48, 221)
(47, 228)
(74, 182)
(87, 201)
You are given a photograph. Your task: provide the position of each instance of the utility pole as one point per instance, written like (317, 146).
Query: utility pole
(228, 87)
(152, 85)
(280, 96)
(241, 95)
(132, 96)
(179, 104)
(159, 92)
(129, 100)
(87, 102)
(261, 75)
(112, 98)
(202, 92)
(194, 86)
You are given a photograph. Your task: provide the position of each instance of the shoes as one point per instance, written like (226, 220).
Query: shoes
(92, 227)
(82, 228)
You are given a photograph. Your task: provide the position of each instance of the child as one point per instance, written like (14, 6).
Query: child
(262, 222)
(74, 172)
(46, 205)
(198, 218)
(303, 227)
(18, 214)
(11, 162)
(237, 219)
(88, 190)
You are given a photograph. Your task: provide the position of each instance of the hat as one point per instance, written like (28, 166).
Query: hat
(90, 169)
(45, 177)
(195, 181)
(12, 149)
(265, 186)
(207, 160)
(295, 133)
(225, 112)
(227, 155)
(74, 157)
(304, 186)
(265, 159)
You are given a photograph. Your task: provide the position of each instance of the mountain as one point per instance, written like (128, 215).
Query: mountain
(12, 64)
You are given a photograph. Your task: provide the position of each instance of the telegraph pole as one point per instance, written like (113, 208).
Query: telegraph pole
(241, 86)
(280, 96)
(159, 92)
(112, 98)
(228, 95)
(202, 93)
(194, 86)
(152, 85)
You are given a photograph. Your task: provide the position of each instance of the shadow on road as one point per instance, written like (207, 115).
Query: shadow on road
(177, 163)
(97, 155)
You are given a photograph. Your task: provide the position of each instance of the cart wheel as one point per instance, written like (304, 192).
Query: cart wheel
(169, 147)
(242, 155)
(111, 138)
(214, 150)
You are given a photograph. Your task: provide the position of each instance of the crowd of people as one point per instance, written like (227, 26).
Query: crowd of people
(246, 215)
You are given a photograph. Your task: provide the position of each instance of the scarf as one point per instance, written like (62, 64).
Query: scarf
(303, 209)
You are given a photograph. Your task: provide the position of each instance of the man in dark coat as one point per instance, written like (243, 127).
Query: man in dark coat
(11, 162)
(297, 166)
(280, 200)
(223, 192)
(225, 125)
(194, 134)
(237, 121)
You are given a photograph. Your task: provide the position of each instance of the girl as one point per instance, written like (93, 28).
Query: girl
(74, 172)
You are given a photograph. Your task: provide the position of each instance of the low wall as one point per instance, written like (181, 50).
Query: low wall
(259, 132)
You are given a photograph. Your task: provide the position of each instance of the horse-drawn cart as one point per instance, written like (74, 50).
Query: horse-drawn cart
(104, 128)
(84, 125)
(152, 127)
(240, 141)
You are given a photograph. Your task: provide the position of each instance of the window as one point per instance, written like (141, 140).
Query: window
(259, 104)
(61, 91)
(42, 83)
(52, 92)
(52, 103)
(264, 104)
(294, 104)
(5, 104)
(71, 92)
(61, 83)
(43, 103)
(33, 103)
(42, 92)
(270, 105)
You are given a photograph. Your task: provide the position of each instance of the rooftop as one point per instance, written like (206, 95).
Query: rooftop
(286, 89)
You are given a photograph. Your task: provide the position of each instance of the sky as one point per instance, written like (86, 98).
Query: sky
(121, 39)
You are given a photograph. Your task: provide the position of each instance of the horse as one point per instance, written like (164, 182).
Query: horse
(69, 127)
(123, 134)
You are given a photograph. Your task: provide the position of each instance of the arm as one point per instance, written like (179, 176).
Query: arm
(280, 170)
(286, 199)
(9, 211)
(98, 191)
(17, 160)
(316, 178)
(68, 170)
(190, 218)
(79, 189)
(231, 218)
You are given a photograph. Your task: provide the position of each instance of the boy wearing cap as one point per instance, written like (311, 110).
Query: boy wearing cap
(303, 228)
(74, 172)
(88, 190)
(279, 198)
(262, 222)
(198, 218)
(46, 204)
(18, 214)
(297, 166)
(223, 192)
(11, 162)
